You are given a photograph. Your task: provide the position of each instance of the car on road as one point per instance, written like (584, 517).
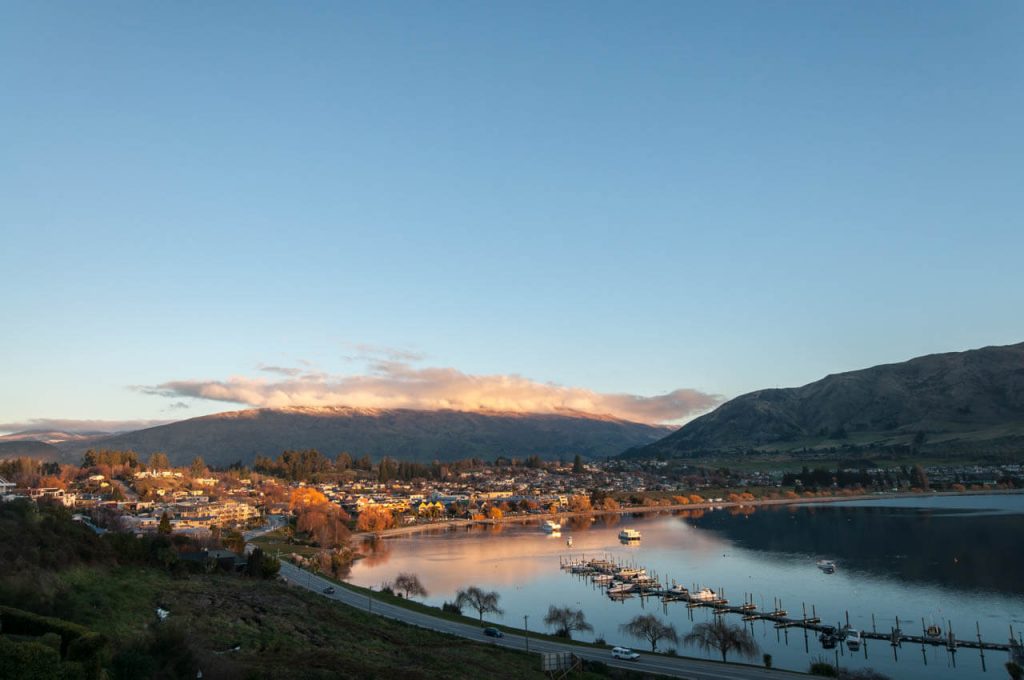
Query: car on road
(491, 631)
(625, 653)
(329, 590)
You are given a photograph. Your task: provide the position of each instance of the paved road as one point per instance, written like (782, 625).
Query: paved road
(652, 663)
(273, 522)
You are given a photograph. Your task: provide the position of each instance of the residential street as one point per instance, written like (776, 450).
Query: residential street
(675, 667)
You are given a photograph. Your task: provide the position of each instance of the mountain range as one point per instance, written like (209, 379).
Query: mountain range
(954, 404)
(404, 434)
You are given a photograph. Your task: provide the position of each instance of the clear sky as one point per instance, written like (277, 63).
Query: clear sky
(614, 198)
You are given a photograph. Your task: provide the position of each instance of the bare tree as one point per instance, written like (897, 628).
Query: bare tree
(483, 602)
(722, 637)
(410, 585)
(565, 620)
(649, 627)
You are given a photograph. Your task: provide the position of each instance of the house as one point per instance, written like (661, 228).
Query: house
(5, 487)
(223, 559)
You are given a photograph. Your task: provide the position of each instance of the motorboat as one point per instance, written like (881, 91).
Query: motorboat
(629, 573)
(827, 566)
(620, 588)
(551, 526)
(829, 637)
(602, 578)
(852, 639)
(629, 535)
(704, 595)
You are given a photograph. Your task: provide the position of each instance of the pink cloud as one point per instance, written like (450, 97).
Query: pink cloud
(396, 384)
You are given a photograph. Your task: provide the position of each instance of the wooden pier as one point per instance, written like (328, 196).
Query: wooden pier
(648, 586)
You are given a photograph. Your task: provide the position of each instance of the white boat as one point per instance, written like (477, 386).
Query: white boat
(620, 588)
(703, 595)
(678, 589)
(602, 578)
(551, 526)
(827, 566)
(568, 541)
(629, 535)
(853, 639)
(628, 573)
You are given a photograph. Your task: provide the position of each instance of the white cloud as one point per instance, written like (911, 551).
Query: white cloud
(77, 426)
(391, 383)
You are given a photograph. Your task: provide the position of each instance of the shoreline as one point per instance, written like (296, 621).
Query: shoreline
(707, 505)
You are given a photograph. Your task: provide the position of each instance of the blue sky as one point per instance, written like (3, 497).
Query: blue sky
(614, 198)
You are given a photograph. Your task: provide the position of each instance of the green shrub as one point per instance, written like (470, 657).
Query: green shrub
(20, 622)
(823, 669)
(28, 661)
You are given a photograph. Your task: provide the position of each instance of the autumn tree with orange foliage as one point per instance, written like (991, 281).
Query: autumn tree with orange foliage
(305, 496)
(579, 503)
(325, 522)
(375, 518)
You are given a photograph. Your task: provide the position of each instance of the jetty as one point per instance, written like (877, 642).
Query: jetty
(628, 579)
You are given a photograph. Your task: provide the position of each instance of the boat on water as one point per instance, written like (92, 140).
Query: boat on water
(629, 535)
(679, 590)
(568, 541)
(602, 578)
(551, 526)
(829, 637)
(852, 639)
(827, 566)
(703, 595)
(620, 588)
(630, 573)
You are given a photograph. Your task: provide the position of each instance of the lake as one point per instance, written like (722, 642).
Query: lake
(946, 561)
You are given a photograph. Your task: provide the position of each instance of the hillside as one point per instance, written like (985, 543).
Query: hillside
(29, 449)
(112, 586)
(404, 434)
(959, 403)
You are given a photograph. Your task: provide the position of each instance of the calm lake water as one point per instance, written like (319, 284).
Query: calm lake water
(951, 561)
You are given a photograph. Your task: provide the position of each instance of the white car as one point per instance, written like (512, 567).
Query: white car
(625, 653)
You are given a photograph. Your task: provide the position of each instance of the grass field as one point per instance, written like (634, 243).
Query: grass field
(281, 632)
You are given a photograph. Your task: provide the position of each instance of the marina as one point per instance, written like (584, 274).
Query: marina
(906, 567)
(621, 579)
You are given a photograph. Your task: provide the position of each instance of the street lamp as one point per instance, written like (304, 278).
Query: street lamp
(526, 630)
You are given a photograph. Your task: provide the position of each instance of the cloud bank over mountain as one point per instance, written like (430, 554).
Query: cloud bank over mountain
(77, 426)
(398, 384)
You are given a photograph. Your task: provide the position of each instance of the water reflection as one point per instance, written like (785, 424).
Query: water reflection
(892, 562)
(951, 549)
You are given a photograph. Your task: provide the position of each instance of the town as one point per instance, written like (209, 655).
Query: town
(119, 491)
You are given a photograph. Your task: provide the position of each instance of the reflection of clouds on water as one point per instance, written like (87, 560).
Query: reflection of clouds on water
(769, 555)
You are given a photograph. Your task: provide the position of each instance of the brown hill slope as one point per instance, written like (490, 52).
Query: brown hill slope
(29, 449)
(404, 434)
(943, 404)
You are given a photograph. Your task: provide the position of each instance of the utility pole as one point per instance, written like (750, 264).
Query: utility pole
(526, 629)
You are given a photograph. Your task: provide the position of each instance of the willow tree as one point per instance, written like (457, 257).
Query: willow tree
(649, 627)
(565, 620)
(483, 602)
(410, 585)
(722, 637)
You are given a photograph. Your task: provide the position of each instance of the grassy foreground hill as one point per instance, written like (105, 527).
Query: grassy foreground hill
(106, 591)
(966, 405)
